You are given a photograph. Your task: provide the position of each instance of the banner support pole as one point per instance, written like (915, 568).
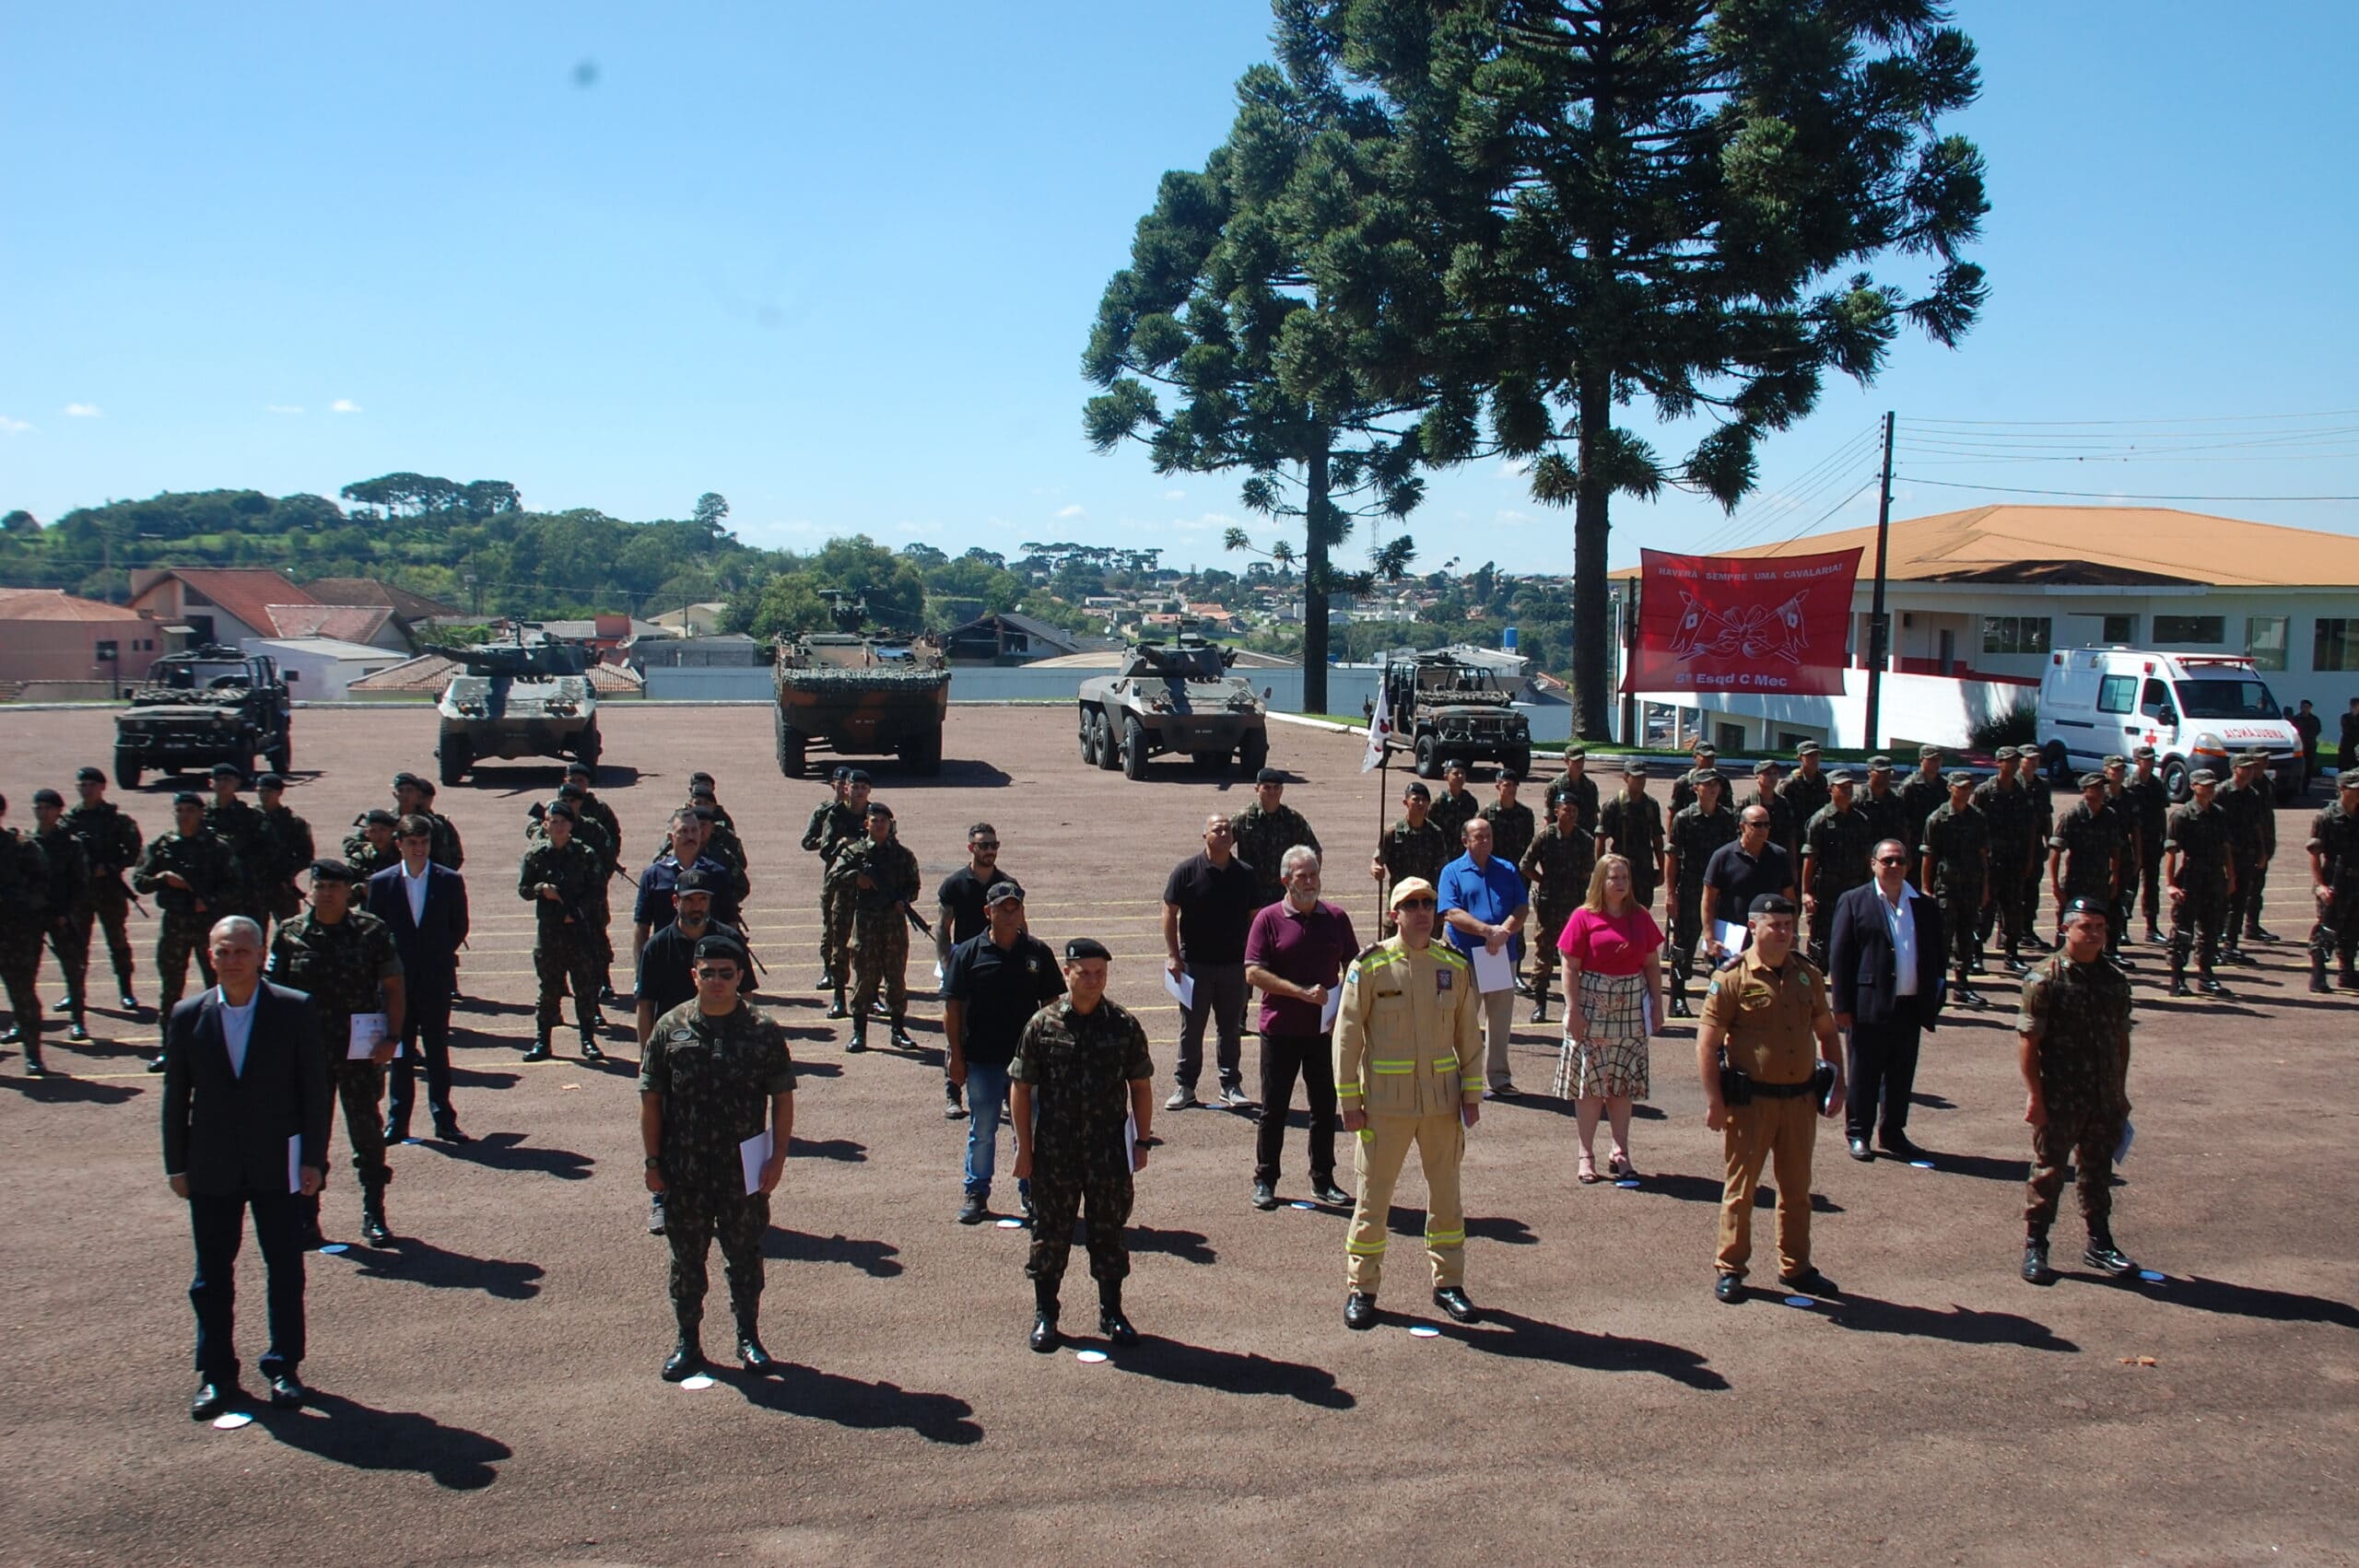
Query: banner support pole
(1878, 637)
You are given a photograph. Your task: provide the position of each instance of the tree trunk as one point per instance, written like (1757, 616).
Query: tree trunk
(1315, 533)
(1593, 626)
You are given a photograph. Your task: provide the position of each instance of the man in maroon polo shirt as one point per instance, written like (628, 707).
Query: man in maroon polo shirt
(1295, 954)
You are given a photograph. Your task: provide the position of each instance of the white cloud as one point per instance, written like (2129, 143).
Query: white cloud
(344, 406)
(1174, 495)
(1073, 510)
(81, 411)
(12, 426)
(283, 408)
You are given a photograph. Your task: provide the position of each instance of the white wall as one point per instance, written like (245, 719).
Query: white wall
(314, 675)
(1918, 709)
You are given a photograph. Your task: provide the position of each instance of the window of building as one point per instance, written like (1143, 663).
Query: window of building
(191, 596)
(108, 651)
(2014, 634)
(2117, 693)
(1790, 740)
(1729, 738)
(2265, 641)
(2192, 628)
(2122, 629)
(2336, 645)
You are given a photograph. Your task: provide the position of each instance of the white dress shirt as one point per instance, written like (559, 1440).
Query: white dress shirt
(237, 1027)
(415, 887)
(1902, 924)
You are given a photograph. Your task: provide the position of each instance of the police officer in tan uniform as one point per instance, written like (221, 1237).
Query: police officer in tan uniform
(1760, 1023)
(1409, 1070)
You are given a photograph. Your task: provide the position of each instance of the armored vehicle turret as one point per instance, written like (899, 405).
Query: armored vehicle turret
(524, 694)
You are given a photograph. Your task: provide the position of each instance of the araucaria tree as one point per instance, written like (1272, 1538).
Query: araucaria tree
(1672, 201)
(1277, 297)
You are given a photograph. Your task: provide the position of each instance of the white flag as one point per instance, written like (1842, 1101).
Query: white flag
(1379, 729)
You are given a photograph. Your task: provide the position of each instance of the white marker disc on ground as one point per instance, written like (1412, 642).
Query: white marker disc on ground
(1800, 1300)
(229, 1421)
(699, 1381)
(1627, 1182)
(2153, 1276)
(1300, 1204)
(336, 1248)
(1921, 1164)
(1008, 1224)
(1424, 1331)
(1089, 1358)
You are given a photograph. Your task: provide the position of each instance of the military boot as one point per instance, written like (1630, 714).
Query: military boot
(373, 1229)
(750, 1353)
(836, 1009)
(1045, 1337)
(2035, 1269)
(2318, 970)
(2207, 982)
(34, 1066)
(1679, 985)
(902, 1039)
(540, 1051)
(1111, 1321)
(686, 1359)
(1539, 1007)
(589, 1052)
(859, 1041)
(2178, 973)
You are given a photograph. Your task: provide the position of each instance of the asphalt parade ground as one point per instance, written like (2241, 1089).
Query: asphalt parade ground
(485, 1388)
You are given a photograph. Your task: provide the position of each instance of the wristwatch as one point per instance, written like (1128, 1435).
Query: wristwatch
(653, 1161)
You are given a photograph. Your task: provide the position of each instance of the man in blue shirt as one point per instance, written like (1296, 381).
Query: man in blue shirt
(1483, 906)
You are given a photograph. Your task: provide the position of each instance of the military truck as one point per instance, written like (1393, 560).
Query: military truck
(201, 706)
(1443, 707)
(526, 694)
(859, 695)
(1175, 696)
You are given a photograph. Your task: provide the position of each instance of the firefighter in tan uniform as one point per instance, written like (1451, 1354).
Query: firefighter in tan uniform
(1409, 1070)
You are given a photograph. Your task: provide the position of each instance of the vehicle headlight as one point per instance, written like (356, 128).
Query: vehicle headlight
(2209, 741)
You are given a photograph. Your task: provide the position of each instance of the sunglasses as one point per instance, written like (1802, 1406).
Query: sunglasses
(726, 972)
(1416, 904)
(1890, 860)
(983, 844)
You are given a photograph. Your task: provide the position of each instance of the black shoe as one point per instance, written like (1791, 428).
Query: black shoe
(1360, 1310)
(1966, 996)
(1679, 1007)
(828, 981)
(606, 997)
(372, 1228)
(287, 1391)
(11, 1035)
(656, 1215)
(2036, 1269)
(78, 1033)
(974, 1210)
(396, 1132)
(156, 1062)
(2107, 1258)
(2254, 933)
(836, 1009)
(1265, 1196)
(903, 1040)
(540, 1051)
(2210, 986)
(1325, 1189)
(1729, 1289)
(2317, 982)
(446, 1129)
(1860, 1152)
(35, 1067)
(1809, 1282)
(878, 1010)
(859, 1042)
(953, 1108)
(1045, 1337)
(2180, 987)
(128, 1003)
(685, 1361)
(1900, 1148)
(1502, 1092)
(1115, 1327)
(2156, 938)
(752, 1356)
(1452, 1300)
(589, 1052)
(1540, 1011)
(211, 1399)
(2348, 980)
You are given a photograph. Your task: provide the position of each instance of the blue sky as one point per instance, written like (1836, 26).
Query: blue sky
(841, 268)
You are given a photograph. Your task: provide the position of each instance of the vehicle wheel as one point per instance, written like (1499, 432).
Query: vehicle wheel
(1428, 757)
(282, 761)
(792, 746)
(1252, 754)
(2058, 763)
(127, 771)
(1521, 761)
(586, 751)
(457, 756)
(1134, 749)
(922, 754)
(1109, 749)
(1088, 741)
(2175, 782)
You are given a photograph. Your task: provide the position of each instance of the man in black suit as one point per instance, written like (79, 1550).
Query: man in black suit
(425, 905)
(1885, 966)
(245, 1125)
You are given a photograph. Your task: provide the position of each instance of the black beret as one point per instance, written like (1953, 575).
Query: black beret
(1417, 791)
(1771, 904)
(228, 770)
(189, 798)
(838, 774)
(721, 947)
(704, 814)
(47, 798)
(1455, 764)
(1083, 947)
(878, 808)
(857, 776)
(89, 776)
(690, 881)
(577, 769)
(702, 793)
(2086, 906)
(271, 781)
(1269, 775)
(424, 787)
(331, 871)
(699, 777)
(563, 810)
(379, 817)
(570, 790)
(409, 781)
(1509, 776)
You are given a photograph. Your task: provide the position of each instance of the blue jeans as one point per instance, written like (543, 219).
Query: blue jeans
(986, 1108)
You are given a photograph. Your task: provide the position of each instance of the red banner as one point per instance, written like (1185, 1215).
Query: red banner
(1743, 623)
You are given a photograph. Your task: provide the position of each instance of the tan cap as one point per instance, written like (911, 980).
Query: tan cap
(1412, 887)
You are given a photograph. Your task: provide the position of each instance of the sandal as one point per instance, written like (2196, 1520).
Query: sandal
(1620, 1168)
(1588, 1177)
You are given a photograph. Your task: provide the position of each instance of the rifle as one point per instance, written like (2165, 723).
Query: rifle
(918, 922)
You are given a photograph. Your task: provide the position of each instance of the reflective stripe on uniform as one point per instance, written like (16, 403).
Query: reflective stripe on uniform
(1445, 1238)
(1347, 1089)
(1473, 1084)
(1447, 1064)
(1366, 1248)
(1392, 1066)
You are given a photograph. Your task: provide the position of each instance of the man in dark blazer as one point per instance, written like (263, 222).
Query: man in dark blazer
(425, 905)
(245, 1126)
(1885, 968)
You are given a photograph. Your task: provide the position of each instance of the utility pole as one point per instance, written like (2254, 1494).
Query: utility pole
(1879, 634)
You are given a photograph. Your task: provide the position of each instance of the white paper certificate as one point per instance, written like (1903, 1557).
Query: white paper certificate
(295, 1163)
(754, 1153)
(368, 1033)
(1181, 987)
(1494, 971)
(1335, 1005)
(1730, 935)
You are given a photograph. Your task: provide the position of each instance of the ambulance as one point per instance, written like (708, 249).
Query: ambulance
(2196, 709)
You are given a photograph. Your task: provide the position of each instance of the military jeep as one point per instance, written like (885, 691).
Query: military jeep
(1442, 706)
(206, 706)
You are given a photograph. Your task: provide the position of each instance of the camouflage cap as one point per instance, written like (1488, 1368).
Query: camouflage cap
(189, 798)
(2004, 753)
(1808, 748)
(1879, 765)
(1959, 778)
(2116, 760)
(1706, 748)
(1841, 779)
(1924, 752)
(2145, 753)
(1712, 776)
(2252, 759)
(1766, 765)
(1576, 754)
(2092, 781)
(2347, 779)
(2203, 775)
(1000, 893)
(1634, 768)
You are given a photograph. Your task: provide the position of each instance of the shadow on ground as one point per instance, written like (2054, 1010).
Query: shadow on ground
(823, 1396)
(343, 1432)
(1514, 1335)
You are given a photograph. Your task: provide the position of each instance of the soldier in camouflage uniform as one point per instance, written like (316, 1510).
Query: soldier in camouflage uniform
(1926, 792)
(1694, 834)
(414, 796)
(715, 1073)
(2251, 803)
(1574, 781)
(2201, 873)
(1807, 791)
(2152, 802)
(290, 853)
(24, 895)
(2076, 1057)
(184, 871)
(1631, 826)
(2123, 808)
(1512, 825)
(372, 849)
(343, 959)
(1887, 818)
(1785, 827)
(1457, 806)
(110, 845)
(559, 878)
(588, 811)
(2006, 805)
(1556, 868)
(1411, 847)
(1268, 828)
(1704, 758)
(703, 781)
(2334, 873)
(66, 912)
(879, 877)
(841, 820)
(1836, 849)
(2086, 853)
(243, 831)
(1953, 864)
(721, 840)
(1082, 1087)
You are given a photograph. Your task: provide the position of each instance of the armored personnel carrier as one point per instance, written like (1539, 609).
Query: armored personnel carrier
(206, 706)
(1173, 697)
(1443, 707)
(857, 695)
(525, 695)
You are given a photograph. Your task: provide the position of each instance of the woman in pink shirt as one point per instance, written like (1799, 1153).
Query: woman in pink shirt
(1613, 952)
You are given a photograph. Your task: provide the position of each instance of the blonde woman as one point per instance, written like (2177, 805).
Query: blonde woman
(1613, 954)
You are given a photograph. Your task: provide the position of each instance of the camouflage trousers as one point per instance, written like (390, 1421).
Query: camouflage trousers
(1062, 1192)
(178, 938)
(835, 933)
(562, 963)
(602, 917)
(2009, 911)
(19, 966)
(2336, 934)
(880, 957)
(69, 944)
(1961, 907)
(109, 909)
(2244, 904)
(2087, 1139)
(693, 1220)
(2148, 886)
(360, 1090)
(2197, 921)
(1551, 919)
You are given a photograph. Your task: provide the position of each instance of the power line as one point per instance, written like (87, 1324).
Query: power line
(2111, 423)
(1838, 507)
(1751, 521)
(2110, 495)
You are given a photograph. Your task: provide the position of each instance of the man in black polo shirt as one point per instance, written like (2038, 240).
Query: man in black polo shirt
(993, 984)
(1209, 902)
(959, 918)
(1752, 868)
